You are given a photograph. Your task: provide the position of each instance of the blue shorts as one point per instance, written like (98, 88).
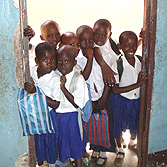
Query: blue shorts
(125, 115)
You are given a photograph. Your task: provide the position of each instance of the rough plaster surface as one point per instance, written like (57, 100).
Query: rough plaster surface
(22, 161)
(12, 142)
(16, 3)
(158, 123)
(18, 55)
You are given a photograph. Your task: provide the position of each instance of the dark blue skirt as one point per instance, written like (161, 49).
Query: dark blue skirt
(46, 148)
(125, 115)
(69, 143)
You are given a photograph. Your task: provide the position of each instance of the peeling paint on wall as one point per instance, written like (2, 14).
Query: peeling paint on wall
(12, 141)
(18, 55)
(16, 3)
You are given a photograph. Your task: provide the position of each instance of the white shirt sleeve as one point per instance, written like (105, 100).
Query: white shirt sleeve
(81, 92)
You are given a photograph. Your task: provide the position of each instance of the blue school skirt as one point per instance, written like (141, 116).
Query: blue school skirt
(46, 148)
(69, 142)
(125, 115)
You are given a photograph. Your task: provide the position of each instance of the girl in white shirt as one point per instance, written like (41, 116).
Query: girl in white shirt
(45, 144)
(72, 138)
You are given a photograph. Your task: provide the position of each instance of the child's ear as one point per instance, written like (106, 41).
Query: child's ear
(110, 35)
(119, 46)
(75, 62)
(41, 37)
(36, 60)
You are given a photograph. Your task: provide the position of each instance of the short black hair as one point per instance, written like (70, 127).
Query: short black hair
(82, 28)
(41, 47)
(49, 22)
(71, 51)
(127, 33)
(103, 22)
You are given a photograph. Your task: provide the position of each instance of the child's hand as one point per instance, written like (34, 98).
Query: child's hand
(101, 103)
(141, 78)
(88, 53)
(108, 76)
(29, 32)
(29, 87)
(63, 81)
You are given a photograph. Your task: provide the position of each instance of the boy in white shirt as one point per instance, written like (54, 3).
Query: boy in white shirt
(125, 102)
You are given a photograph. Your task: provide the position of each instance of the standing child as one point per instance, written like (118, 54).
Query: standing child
(50, 32)
(126, 101)
(70, 38)
(104, 45)
(45, 144)
(72, 138)
(99, 91)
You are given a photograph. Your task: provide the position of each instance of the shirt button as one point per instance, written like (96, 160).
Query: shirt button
(135, 94)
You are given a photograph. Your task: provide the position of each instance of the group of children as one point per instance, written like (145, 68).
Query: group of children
(65, 65)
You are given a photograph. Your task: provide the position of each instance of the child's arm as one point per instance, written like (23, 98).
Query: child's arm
(30, 88)
(102, 101)
(29, 32)
(141, 78)
(87, 70)
(68, 95)
(108, 73)
(52, 103)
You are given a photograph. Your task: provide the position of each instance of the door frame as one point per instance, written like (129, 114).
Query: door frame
(148, 65)
(149, 34)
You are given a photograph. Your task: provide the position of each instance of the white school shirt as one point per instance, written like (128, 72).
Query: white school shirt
(107, 50)
(129, 77)
(49, 83)
(96, 72)
(76, 85)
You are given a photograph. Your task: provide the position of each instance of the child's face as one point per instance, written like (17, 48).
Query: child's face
(129, 45)
(65, 63)
(46, 62)
(101, 34)
(86, 40)
(73, 41)
(51, 34)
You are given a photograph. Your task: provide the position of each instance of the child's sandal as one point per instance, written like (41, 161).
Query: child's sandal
(119, 159)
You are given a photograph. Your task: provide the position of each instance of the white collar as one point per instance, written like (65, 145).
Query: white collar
(106, 45)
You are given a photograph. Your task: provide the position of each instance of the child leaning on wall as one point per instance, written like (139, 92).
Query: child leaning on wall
(50, 32)
(46, 148)
(125, 93)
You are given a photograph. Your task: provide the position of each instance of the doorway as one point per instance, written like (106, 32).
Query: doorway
(149, 22)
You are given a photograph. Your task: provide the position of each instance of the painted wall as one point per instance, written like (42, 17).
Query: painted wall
(158, 122)
(12, 142)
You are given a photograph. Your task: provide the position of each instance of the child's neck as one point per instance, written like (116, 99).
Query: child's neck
(131, 60)
(40, 73)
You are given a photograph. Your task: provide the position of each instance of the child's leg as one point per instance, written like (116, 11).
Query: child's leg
(120, 154)
(133, 145)
(78, 162)
(85, 154)
(40, 163)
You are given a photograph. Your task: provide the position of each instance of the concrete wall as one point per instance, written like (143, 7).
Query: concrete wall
(12, 142)
(158, 121)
